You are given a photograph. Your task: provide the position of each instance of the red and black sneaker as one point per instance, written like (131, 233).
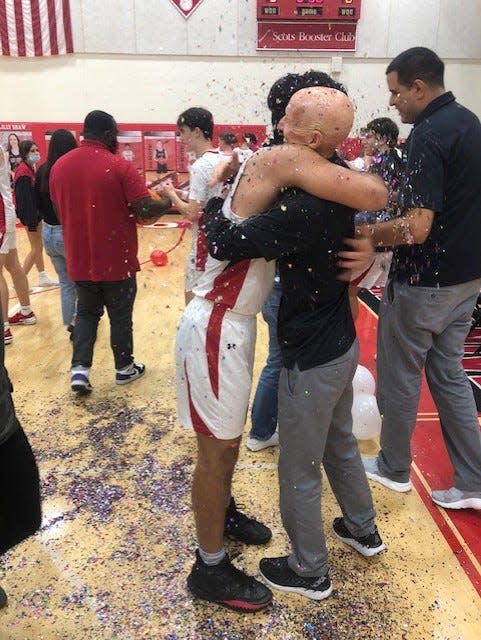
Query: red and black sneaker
(226, 585)
(245, 529)
(22, 318)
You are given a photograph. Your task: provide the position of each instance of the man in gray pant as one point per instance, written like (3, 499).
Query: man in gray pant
(435, 278)
(319, 350)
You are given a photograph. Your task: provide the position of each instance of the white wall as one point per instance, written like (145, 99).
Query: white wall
(210, 60)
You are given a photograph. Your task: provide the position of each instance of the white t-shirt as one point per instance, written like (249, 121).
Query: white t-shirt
(200, 174)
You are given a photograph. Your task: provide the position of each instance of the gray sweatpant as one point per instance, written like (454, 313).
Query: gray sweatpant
(425, 327)
(315, 426)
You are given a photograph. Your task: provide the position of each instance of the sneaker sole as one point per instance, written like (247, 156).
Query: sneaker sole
(260, 446)
(31, 321)
(367, 552)
(466, 503)
(302, 591)
(400, 487)
(237, 605)
(81, 389)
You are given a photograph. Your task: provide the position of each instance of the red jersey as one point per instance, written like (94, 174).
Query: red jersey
(92, 189)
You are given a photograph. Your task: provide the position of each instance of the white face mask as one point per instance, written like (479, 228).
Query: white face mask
(33, 158)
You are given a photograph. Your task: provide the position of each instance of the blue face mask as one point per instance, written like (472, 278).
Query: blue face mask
(33, 158)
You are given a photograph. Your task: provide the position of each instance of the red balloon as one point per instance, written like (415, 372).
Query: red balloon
(159, 258)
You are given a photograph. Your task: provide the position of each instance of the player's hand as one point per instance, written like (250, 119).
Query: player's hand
(225, 171)
(166, 188)
(357, 258)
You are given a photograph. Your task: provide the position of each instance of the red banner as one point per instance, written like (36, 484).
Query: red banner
(186, 7)
(306, 37)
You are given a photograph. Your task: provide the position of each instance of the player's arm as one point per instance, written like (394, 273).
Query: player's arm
(300, 166)
(188, 208)
(411, 228)
(277, 232)
(148, 209)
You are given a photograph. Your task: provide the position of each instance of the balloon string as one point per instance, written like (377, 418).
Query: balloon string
(178, 241)
(181, 237)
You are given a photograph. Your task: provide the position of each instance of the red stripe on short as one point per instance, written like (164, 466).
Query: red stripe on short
(197, 422)
(212, 345)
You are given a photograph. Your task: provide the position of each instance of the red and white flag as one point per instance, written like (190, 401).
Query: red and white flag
(35, 27)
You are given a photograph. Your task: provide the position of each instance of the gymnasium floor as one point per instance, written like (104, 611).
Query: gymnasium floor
(117, 539)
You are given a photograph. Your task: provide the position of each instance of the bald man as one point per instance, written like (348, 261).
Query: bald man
(316, 334)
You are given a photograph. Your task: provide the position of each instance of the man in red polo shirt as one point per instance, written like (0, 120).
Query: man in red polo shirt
(99, 197)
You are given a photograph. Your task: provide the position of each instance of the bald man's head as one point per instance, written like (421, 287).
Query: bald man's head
(319, 117)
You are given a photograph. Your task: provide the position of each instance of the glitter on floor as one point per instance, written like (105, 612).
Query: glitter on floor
(117, 539)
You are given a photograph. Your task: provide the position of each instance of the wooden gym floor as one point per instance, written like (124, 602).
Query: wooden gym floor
(117, 539)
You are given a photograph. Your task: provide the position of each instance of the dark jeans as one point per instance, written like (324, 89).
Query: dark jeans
(20, 514)
(118, 297)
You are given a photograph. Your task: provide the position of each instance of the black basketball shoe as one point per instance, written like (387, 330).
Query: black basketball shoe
(226, 585)
(245, 529)
(368, 546)
(278, 574)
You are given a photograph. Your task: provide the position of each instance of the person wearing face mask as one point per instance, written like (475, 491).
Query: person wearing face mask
(27, 211)
(98, 197)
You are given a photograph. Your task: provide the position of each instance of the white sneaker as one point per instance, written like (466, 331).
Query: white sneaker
(257, 445)
(44, 280)
(373, 473)
(456, 499)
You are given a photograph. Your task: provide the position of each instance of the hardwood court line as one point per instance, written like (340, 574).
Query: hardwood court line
(444, 514)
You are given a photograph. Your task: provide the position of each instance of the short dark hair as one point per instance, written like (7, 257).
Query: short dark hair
(97, 123)
(385, 128)
(284, 88)
(24, 148)
(228, 137)
(197, 117)
(418, 63)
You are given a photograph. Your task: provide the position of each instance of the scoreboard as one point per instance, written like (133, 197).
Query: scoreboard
(308, 10)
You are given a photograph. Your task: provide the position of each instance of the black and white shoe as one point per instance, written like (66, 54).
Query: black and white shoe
(225, 584)
(368, 546)
(131, 373)
(278, 575)
(79, 382)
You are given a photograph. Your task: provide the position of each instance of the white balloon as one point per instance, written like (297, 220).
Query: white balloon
(366, 419)
(363, 381)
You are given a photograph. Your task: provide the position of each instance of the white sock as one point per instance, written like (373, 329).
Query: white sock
(42, 274)
(80, 368)
(211, 559)
(25, 310)
(6, 326)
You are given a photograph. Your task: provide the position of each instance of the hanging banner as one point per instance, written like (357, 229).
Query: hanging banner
(287, 36)
(186, 7)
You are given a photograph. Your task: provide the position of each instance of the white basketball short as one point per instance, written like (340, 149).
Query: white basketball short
(191, 276)
(9, 242)
(376, 275)
(214, 354)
